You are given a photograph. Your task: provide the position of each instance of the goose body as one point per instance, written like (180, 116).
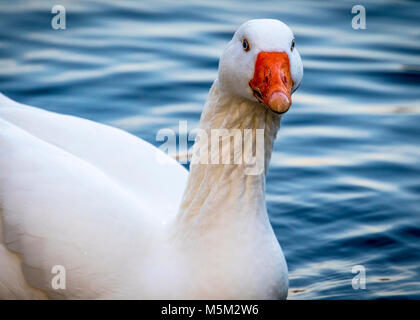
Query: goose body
(96, 201)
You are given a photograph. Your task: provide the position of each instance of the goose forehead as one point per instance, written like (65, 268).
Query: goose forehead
(265, 32)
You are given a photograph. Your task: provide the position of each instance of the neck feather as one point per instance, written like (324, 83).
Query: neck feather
(219, 193)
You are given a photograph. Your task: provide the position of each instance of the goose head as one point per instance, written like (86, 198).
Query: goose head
(261, 63)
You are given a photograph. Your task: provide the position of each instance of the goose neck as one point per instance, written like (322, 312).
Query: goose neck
(231, 155)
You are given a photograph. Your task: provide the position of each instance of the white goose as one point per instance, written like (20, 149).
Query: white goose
(94, 199)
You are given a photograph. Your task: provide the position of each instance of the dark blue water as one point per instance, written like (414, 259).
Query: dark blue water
(344, 183)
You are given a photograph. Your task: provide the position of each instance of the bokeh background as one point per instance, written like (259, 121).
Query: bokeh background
(344, 184)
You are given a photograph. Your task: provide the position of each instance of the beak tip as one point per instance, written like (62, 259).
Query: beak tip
(279, 102)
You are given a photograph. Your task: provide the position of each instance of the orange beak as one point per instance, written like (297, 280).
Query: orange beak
(272, 82)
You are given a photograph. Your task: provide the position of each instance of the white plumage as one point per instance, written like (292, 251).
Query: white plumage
(72, 190)
(95, 200)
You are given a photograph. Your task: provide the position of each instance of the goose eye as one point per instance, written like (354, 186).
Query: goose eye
(293, 45)
(245, 45)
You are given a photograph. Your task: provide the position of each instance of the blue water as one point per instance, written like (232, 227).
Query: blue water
(344, 183)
